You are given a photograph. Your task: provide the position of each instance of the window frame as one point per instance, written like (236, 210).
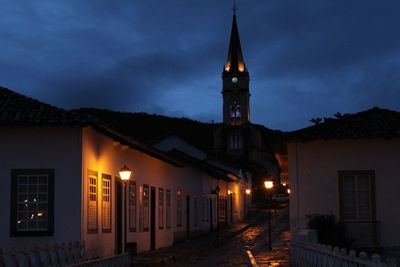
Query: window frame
(146, 208)
(50, 201)
(179, 203)
(103, 178)
(371, 174)
(160, 208)
(168, 221)
(92, 230)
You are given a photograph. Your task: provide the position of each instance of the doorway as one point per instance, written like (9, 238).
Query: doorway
(118, 217)
(153, 218)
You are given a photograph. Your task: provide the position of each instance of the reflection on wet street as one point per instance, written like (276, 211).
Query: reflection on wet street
(233, 252)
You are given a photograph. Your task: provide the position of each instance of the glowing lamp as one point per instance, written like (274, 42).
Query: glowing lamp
(248, 191)
(229, 192)
(288, 191)
(284, 184)
(241, 67)
(125, 173)
(269, 184)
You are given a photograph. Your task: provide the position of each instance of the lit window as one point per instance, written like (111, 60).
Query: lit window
(106, 203)
(92, 202)
(32, 202)
(234, 111)
(132, 206)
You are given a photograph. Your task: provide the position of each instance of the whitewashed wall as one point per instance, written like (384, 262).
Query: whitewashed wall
(103, 155)
(43, 148)
(313, 172)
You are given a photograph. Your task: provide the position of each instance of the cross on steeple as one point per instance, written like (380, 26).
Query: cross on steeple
(234, 7)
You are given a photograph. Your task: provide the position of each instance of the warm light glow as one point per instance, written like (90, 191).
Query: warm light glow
(40, 214)
(284, 184)
(241, 67)
(19, 222)
(125, 173)
(288, 191)
(228, 66)
(248, 191)
(269, 184)
(229, 192)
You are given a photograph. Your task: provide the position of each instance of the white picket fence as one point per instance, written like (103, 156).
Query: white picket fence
(50, 255)
(306, 252)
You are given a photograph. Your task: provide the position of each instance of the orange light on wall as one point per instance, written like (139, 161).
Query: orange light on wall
(269, 184)
(248, 191)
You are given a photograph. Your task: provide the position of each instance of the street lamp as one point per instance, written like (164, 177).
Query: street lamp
(269, 185)
(125, 174)
(247, 203)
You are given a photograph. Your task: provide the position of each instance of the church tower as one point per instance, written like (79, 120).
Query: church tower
(236, 97)
(235, 80)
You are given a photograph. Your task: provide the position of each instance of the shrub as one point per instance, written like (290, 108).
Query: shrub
(330, 231)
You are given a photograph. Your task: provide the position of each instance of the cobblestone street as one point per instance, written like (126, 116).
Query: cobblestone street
(230, 247)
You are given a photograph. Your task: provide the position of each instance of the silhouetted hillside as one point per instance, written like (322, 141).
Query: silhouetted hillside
(150, 128)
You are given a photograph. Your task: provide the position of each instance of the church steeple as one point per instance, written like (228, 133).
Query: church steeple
(235, 62)
(235, 79)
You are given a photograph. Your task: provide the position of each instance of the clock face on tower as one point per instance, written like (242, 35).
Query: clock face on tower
(234, 80)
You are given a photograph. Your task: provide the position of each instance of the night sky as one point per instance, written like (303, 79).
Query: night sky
(306, 58)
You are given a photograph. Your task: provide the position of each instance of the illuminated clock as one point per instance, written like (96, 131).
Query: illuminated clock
(234, 80)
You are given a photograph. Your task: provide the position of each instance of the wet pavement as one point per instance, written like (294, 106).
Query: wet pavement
(230, 247)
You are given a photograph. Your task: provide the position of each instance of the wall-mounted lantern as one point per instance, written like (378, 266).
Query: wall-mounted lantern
(125, 173)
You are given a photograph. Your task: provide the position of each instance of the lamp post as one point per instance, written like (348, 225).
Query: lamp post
(217, 190)
(246, 203)
(125, 175)
(269, 185)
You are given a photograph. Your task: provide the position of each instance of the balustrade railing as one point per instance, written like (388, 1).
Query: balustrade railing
(50, 255)
(306, 252)
(66, 254)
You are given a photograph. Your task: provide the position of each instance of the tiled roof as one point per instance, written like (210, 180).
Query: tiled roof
(20, 110)
(372, 123)
(17, 109)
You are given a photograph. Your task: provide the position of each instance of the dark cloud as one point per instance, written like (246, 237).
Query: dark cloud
(306, 59)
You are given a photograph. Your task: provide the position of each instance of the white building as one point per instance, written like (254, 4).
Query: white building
(60, 183)
(349, 167)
